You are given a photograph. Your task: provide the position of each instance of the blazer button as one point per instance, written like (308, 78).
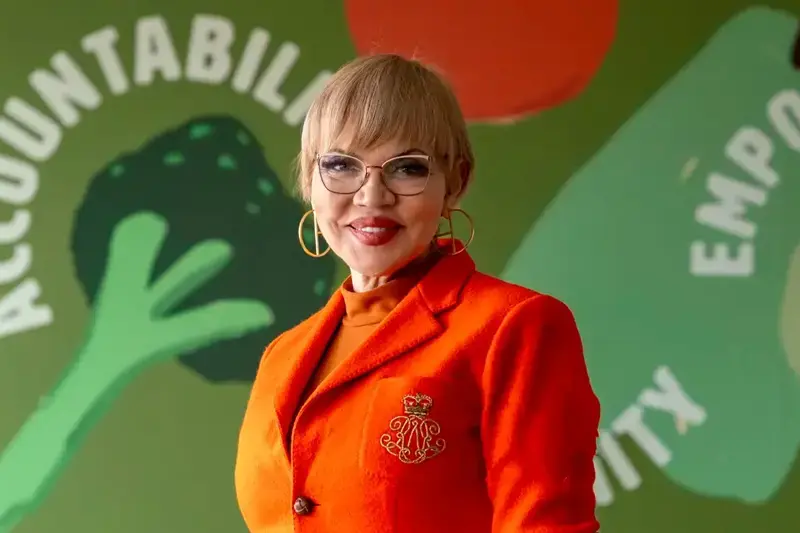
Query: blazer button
(303, 506)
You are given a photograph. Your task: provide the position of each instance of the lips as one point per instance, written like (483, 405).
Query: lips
(374, 231)
(379, 223)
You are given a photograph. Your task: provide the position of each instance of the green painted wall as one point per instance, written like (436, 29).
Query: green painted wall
(120, 404)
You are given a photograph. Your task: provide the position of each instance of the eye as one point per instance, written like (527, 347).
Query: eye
(409, 167)
(338, 164)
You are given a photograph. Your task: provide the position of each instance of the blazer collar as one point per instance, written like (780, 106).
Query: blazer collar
(441, 286)
(410, 324)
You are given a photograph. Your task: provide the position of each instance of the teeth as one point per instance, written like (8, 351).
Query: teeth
(371, 229)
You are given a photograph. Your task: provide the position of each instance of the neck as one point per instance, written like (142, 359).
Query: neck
(362, 282)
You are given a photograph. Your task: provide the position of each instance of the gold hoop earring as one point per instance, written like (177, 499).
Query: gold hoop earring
(317, 233)
(451, 234)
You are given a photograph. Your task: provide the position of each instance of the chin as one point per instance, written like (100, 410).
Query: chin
(375, 261)
(373, 268)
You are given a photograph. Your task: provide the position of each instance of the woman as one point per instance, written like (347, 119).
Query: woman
(425, 396)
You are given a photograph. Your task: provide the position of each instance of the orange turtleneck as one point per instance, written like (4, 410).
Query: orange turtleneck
(363, 312)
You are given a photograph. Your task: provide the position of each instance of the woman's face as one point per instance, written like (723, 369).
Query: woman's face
(374, 230)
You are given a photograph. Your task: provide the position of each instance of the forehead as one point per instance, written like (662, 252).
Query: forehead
(377, 152)
(380, 126)
(382, 136)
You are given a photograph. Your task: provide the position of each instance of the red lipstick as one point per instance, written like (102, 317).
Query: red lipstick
(374, 231)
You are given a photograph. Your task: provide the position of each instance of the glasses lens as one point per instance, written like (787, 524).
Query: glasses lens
(341, 173)
(408, 174)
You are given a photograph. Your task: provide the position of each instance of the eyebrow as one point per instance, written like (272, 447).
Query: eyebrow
(410, 151)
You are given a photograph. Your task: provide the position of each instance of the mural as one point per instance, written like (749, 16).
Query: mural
(644, 157)
(506, 69)
(168, 271)
(700, 202)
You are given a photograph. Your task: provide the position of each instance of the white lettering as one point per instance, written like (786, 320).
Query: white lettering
(19, 180)
(603, 494)
(631, 422)
(102, 45)
(68, 92)
(46, 136)
(720, 262)
(297, 110)
(752, 150)
(252, 56)
(779, 109)
(16, 267)
(66, 89)
(19, 311)
(22, 258)
(727, 214)
(671, 398)
(266, 91)
(620, 465)
(13, 231)
(154, 52)
(209, 59)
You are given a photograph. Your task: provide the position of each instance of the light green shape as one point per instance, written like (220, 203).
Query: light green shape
(265, 186)
(320, 286)
(615, 244)
(174, 159)
(227, 161)
(117, 170)
(129, 332)
(200, 131)
(252, 208)
(243, 138)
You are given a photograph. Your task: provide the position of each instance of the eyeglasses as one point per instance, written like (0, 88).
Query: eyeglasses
(405, 175)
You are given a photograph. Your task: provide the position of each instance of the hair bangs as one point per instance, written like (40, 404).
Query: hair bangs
(378, 99)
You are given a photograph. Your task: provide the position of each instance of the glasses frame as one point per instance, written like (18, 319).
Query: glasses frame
(422, 157)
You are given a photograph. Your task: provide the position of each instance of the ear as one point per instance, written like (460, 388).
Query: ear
(464, 177)
(450, 202)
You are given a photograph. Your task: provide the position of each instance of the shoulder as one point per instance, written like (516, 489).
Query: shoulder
(532, 334)
(291, 337)
(510, 302)
(296, 333)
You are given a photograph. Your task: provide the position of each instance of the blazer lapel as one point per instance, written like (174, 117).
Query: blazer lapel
(410, 324)
(304, 359)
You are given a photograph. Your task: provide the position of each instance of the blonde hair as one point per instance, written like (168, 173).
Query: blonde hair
(384, 97)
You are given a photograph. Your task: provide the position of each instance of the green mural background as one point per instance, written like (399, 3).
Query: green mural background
(142, 411)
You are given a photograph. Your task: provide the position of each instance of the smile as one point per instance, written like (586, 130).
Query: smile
(374, 235)
(372, 229)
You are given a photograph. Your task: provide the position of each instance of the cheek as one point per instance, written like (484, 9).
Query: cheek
(330, 209)
(423, 218)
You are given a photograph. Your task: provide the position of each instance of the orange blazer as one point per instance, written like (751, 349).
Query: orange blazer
(469, 409)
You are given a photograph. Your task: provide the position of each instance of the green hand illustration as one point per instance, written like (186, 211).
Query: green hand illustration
(131, 328)
(790, 313)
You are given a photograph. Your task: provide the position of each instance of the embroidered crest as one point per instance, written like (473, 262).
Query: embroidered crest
(412, 437)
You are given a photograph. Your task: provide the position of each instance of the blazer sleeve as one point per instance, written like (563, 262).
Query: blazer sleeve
(539, 423)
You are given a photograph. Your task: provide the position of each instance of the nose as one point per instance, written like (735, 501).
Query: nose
(374, 192)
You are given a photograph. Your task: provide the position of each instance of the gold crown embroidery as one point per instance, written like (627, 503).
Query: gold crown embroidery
(411, 436)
